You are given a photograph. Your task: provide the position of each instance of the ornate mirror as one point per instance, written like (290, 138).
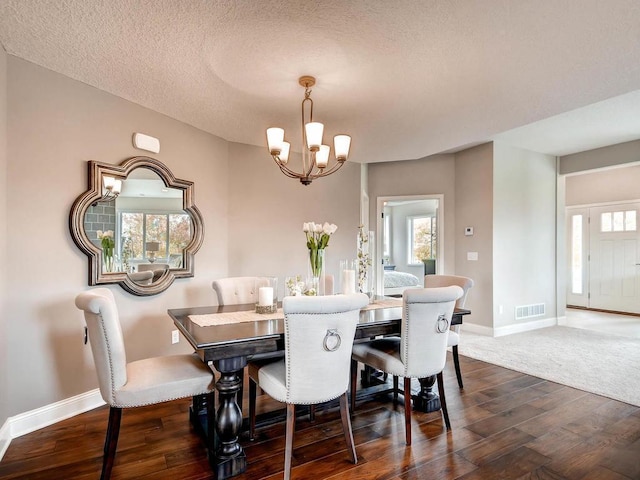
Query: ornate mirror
(138, 225)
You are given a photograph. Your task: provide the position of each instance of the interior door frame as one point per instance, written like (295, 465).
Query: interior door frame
(380, 201)
(587, 207)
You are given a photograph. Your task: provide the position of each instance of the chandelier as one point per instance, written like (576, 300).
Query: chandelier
(111, 189)
(315, 155)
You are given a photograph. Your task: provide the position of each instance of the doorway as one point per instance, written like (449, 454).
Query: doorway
(604, 257)
(408, 229)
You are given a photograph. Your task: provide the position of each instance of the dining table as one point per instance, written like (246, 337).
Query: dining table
(226, 337)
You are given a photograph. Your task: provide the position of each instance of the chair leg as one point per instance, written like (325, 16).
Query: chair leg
(312, 413)
(395, 389)
(111, 442)
(443, 401)
(456, 363)
(354, 379)
(252, 408)
(288, 450)
(346, 427)
(407, 409)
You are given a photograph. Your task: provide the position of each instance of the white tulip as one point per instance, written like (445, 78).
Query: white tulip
(305, 227)
(317, 228)
(99, 233)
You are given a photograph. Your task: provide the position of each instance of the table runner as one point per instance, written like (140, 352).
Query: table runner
(229, 318)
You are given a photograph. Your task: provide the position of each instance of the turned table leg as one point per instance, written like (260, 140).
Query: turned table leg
(428, 399)
(229, 459)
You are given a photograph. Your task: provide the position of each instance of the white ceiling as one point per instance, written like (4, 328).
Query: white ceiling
(405, 78)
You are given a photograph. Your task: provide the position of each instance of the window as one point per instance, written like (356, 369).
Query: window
(576, 254)
(171, 230)
(618, 221)
(422, 238)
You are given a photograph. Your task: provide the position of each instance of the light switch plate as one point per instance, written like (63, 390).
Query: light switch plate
(472, 256)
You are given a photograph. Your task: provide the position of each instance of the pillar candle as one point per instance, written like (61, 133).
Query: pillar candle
(348, 282)
(265, 296)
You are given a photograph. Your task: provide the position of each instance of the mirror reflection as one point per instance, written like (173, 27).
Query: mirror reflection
(142, 229)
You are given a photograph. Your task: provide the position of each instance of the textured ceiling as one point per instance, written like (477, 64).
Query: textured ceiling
(405, 78)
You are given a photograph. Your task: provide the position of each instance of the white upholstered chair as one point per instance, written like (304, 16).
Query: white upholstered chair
(421, 349)
(142, 278)
(139, 383)
(235, 290)
(319, 333)
(465, 283)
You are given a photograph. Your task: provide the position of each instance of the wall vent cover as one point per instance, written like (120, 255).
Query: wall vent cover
(528, 311)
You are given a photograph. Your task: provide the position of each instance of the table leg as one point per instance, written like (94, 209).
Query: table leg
(369, 377)
(230, 458)
(428, 399)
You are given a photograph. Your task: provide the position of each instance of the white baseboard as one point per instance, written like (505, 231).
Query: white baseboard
(510, 329)
(5, 438)
(477, 329)
(33, 420)
(525, 327)
(562, 321)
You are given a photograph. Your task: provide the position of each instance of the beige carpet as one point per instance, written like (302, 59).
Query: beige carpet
(596, 362)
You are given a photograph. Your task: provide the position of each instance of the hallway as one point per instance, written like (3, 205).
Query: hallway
(612, 323)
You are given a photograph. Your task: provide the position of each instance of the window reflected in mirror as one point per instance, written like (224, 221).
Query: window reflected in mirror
(147, 221)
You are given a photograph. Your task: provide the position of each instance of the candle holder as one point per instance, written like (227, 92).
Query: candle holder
(348, 280)
(266, 289)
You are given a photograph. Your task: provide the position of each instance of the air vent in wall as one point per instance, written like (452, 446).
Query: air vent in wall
(528, 311)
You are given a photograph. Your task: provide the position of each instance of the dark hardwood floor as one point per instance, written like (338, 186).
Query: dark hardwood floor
(504, 425)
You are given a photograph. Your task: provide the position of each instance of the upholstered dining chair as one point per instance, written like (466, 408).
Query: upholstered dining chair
(465, 283)
(421, 349)
(139, 383)
(235, 290)
(142, 278)
(319, 333)
(238, 291)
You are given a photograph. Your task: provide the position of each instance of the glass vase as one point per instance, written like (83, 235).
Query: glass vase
(365, 264)
(348, 283)
(108, 263)
(315, 277)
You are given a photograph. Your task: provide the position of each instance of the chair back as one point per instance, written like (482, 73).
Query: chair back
(105, 336)
(142, 278)
(426, 317)
(236, 290)
(319, 333)
(431, 281)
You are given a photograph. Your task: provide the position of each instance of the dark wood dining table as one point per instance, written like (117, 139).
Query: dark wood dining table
(228, 347)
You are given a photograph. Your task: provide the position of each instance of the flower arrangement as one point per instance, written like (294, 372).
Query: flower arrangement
(364, 258)
(317, 240)
(108, 244)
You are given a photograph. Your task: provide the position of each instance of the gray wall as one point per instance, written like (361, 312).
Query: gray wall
(474, 208)
(611, 185)
(56, 126)
(4, 363)
(267, 210)
(524, 232)
(628, 152)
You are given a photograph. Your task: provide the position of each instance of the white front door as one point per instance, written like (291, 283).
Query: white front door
(614, 267)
